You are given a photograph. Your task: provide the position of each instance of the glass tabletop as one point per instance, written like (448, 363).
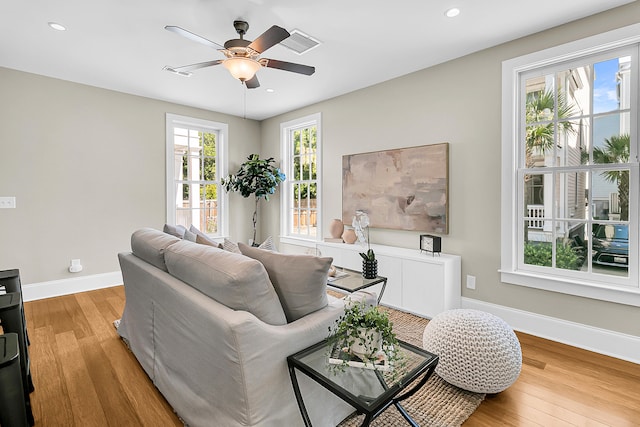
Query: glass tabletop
(366, 388)
(351, 281)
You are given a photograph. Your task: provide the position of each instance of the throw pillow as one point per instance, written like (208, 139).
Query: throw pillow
(174, 230)
(300, 280)
(236, 281)
(189, 236)
(230, 246)
(202, 238)
(205, 241)
(268, 245)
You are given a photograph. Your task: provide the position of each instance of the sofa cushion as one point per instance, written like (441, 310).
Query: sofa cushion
(239, 282)
(149, 244)
(300, 280)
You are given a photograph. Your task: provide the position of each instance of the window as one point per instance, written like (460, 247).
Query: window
(570, 168)
(301, 207)
(195, 164)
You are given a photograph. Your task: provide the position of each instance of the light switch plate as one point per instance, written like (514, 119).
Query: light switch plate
(7, 202)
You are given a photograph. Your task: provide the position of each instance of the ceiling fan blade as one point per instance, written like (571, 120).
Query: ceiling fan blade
(187, 68)
(191, 36)
(269, 38)
(288, 66)
(253, 82)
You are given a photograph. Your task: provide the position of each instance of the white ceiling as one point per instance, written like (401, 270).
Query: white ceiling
(122, 44)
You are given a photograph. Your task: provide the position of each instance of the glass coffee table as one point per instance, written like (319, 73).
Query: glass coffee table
(351, 281)
(369, 391)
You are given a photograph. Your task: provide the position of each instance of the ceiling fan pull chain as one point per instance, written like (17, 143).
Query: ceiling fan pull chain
(244, 107)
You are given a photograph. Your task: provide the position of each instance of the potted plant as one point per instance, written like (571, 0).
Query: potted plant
(369, 264)
(256, 177)
(365, 334)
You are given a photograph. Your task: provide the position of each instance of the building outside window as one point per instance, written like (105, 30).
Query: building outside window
(301, 199)
(195, 165)
(570, 168)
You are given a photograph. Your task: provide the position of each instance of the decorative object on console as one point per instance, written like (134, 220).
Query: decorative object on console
(407, 186)
(359, 223)
(369, 264)
(349, 236)
(256, 177)
(336, 228)
(431, 244)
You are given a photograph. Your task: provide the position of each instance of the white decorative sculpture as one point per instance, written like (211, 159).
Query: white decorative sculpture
(360, 222)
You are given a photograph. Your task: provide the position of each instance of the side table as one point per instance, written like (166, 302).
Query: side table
(369, 391)
(353, 281)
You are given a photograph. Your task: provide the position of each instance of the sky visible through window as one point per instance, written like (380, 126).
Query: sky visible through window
(604, 87)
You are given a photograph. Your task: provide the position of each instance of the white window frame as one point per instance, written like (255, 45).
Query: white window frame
(222, 129)
(511, 246)
(286, 148)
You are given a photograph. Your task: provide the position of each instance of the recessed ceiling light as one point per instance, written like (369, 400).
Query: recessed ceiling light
(270, 90)
(453, 12)
(57, 27)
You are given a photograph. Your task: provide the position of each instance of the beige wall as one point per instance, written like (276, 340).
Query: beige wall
(87, 166)
(458, 102)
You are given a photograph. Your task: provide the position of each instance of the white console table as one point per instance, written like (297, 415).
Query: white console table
(418, 283)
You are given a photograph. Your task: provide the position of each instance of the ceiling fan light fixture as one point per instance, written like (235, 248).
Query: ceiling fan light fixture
(242, 68)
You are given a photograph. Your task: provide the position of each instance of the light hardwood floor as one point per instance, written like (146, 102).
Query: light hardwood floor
(85, 376)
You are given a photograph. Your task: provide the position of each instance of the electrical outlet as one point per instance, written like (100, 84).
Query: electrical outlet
(7, 202)
(471, 282)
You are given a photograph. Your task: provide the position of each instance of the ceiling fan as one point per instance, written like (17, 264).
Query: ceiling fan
(242, 56)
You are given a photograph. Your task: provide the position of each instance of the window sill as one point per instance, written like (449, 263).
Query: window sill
(298, 241)
(603, 292)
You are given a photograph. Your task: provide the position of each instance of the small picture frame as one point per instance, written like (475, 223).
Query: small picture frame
(430, 243)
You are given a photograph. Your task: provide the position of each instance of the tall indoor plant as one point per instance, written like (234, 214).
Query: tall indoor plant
(256, 177)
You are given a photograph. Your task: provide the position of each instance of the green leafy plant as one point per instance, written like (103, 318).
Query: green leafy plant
(567, 257)
(369, 255)
(378, 336)
(616, 150)
(256, 177)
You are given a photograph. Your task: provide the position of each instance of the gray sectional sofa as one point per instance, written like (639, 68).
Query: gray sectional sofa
(210, 330)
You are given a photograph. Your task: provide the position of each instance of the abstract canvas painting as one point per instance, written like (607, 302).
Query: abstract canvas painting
(402, 189)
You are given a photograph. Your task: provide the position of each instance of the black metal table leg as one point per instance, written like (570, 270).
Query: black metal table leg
(384, 285)
(298, 394)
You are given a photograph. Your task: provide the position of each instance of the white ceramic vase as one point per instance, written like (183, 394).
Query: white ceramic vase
(368, 340)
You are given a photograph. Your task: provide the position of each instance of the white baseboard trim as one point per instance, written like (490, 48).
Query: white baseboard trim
(56, 288)
(603, 341)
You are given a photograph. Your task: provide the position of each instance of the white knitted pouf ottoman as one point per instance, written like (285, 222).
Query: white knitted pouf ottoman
(478, 351)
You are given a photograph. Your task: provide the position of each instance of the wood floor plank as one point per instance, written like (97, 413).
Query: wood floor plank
(98, 324)
(113, 400)
(50, 399)
(38, 313)
(85, 402)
